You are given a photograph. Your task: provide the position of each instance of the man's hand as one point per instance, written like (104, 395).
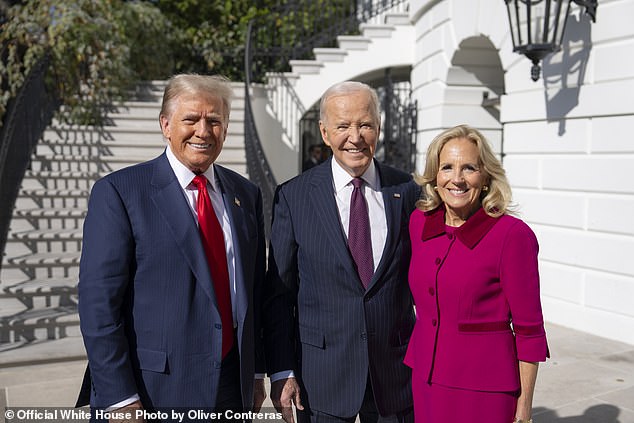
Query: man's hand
(129, 410)
(259, 394)
(285, 393)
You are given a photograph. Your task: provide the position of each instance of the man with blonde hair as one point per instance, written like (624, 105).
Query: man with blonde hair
(172, 267)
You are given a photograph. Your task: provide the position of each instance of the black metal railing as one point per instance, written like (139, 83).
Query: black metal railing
(290, 32)
(25, 120)
(398, 146)
(292, 29)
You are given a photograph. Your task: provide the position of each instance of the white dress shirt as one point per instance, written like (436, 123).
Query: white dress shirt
(343, 187)
(185, 177)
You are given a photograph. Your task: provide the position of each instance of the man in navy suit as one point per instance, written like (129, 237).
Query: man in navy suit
(338, 321)
(149, 298)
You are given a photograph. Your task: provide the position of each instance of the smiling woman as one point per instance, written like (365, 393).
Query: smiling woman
(479, 330)
(459, 181)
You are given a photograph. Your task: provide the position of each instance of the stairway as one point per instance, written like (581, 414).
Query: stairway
(38, 280)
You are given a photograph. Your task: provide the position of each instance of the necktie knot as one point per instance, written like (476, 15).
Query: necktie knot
(357, 182)
(200, 181)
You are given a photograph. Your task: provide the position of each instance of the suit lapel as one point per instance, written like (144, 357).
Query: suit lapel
(392, 201)
(239, 232)
(322, 200)
(168, 199)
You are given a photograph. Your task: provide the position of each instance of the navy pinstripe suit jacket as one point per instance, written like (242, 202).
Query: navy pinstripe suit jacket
(148, 311)
(320, 321)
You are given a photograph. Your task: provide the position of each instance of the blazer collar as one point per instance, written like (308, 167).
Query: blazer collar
(470, 233)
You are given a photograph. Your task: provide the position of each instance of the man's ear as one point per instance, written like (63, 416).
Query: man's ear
(324, 133)
(164, 121)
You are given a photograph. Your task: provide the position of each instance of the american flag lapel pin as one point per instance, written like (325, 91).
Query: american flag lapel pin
(237, 201)
(397, 195)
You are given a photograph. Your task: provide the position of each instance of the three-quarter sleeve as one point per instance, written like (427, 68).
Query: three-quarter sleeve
(519, 278)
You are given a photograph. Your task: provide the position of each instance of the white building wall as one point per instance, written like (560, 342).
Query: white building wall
(567, 140)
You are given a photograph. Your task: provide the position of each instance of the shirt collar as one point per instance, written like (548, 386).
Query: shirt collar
(341, 178)
(470, 233)
(184, 175)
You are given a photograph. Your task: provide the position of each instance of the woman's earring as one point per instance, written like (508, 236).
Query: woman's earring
(435, 187)
(485, 188)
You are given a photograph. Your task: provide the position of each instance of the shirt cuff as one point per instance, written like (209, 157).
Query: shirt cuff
(285, 374)
(123, 403)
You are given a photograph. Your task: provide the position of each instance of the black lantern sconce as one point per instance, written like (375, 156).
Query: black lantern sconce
(537, 26)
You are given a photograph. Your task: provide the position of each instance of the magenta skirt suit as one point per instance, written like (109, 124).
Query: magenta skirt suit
(478, 312)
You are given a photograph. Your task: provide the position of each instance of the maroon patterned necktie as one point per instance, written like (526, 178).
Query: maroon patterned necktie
(214, 244)
(359, 240)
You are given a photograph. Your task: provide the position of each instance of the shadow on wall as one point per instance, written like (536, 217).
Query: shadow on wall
(567, 70)
(603, 413)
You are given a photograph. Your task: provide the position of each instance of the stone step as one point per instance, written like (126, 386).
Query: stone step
(325, 55)
(37, 218)
(42, 293)
(53, 198)
(397, 18)
(306, 67)
(67, 234)
(41, 323)
(63, 175)
(60, 179)
(85, 163)
(51, 213)
(353, 42)
(53, 193)
(45, 265)
(377, 30)
(48, 240)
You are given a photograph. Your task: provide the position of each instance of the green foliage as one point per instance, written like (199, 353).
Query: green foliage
(96, 50)
(211, 34)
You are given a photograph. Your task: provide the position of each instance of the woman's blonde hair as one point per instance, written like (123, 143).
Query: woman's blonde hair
(496, 201)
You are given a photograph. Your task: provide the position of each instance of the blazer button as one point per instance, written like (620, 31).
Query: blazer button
(432, 291)
(218, 326)
(217, 364)
(437, 260)
(434, 322)
(450, 236)
(364, 336)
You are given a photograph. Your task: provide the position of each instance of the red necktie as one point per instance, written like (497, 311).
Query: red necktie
(359, 239)
(214, 244)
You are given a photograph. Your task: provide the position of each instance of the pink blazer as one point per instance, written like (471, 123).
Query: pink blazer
(476, 290)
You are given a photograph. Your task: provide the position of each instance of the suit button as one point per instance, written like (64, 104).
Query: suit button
(450, 236)
(432, 291)
(434, 322)
(218, 326)
(437, 260)
(364, 336)
(217, 364)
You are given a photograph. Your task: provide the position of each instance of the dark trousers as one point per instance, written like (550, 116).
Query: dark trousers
(367, 414)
